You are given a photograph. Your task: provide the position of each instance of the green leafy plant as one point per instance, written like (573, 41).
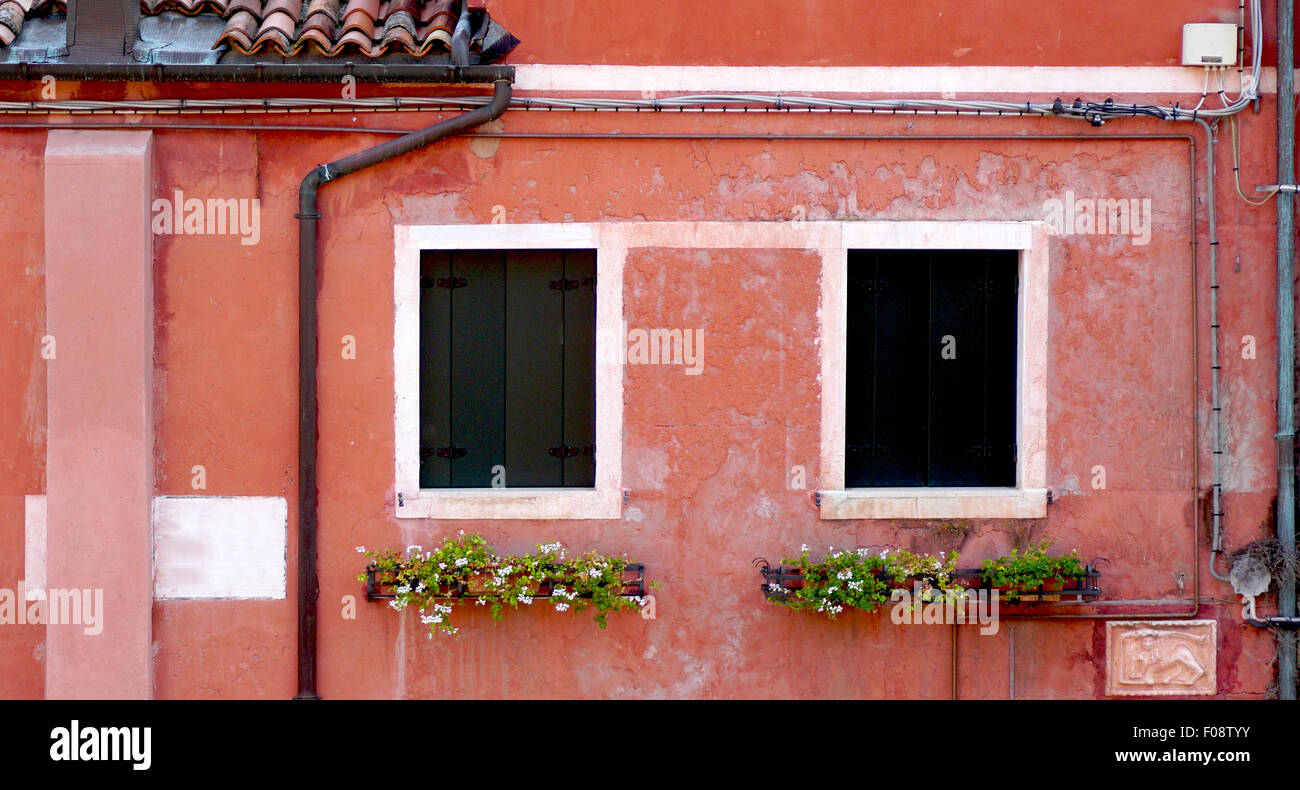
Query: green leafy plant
(862, 579)
(432, 580)
(1030, 569)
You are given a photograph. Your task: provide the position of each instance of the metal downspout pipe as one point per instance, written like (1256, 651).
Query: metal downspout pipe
(1286, 597)
(460, 37)
(307, 216)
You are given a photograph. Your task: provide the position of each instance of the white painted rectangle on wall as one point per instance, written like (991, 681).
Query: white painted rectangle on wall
(220, 548)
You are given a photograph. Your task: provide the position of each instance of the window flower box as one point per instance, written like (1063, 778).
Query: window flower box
(860, 579)
(437, 581)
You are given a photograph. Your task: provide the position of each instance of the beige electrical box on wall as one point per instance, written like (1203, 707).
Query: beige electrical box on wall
(1209, 44)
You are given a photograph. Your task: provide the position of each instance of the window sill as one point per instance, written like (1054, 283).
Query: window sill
(858, 503)
(513, 503)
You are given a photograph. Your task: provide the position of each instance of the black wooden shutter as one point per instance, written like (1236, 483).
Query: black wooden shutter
(1001, 368)
(860, 389)
(901, 295)
(955, 357)
(931, 369)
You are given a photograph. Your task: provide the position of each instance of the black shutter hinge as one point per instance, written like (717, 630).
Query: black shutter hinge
(568, 284)
(443, 282)
(451, 451)
(871, 450)
(992, 451)
(569, 451)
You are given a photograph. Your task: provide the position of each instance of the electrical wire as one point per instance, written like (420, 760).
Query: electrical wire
(1205, 89)
(1236, 168)
(1096, 113)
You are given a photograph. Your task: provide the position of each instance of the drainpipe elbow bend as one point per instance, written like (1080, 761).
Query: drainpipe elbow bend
(307, 191)
(502, 92)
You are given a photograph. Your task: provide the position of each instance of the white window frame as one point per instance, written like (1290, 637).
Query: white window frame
(832, 241)
(605, 499)
(1028, 498)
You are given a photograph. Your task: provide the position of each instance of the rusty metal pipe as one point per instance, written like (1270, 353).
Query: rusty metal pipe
(308, 428)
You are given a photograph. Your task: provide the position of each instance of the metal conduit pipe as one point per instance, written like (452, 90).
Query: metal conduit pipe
(258, 72)
(1286, 594)
(308, 430)
(1216, 406)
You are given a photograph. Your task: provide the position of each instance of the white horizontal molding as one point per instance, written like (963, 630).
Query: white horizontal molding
(219, 547)
(938, 235)
(934, 503)
(1096, 81)
(773, 235)
(514, 503)
(540, 235)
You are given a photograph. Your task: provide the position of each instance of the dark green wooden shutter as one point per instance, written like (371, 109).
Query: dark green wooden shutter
(507, 368)
(435, 368)
(478, 402)
(534, 359)
(580, 368)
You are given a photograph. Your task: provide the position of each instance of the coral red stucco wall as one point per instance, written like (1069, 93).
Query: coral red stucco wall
(706, 459)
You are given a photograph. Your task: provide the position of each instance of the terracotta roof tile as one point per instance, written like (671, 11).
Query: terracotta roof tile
(190, 7)
(13, 12)
(232, 6)
(335, 27)
(241, 28)
(371, 28)
(327, 8)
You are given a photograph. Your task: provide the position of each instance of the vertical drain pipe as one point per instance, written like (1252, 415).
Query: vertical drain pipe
(460, 37)
(1286, 598)
(308, 587)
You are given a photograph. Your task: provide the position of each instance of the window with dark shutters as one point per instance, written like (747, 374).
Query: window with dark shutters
(931, 368)
(507, 368)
